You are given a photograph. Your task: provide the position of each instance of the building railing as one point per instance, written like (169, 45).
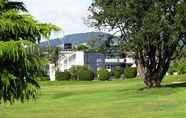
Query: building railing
(130, 61)
(114, 60)
(126, 60)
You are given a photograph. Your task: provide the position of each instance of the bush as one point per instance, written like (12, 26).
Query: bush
(178, 66)
(130, 72)
(103, 74)
(63, 75)
(43, 78)
(81, 73)
(85, 75)
(117, 72)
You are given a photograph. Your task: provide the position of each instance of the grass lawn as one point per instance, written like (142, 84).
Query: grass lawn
(103, 99)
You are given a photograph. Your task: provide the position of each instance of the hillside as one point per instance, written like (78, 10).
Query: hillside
(79, 38)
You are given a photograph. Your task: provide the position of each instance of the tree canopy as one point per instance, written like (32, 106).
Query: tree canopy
(20, 59)
(154, 29)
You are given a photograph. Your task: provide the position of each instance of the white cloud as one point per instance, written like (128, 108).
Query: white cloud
(67, 14)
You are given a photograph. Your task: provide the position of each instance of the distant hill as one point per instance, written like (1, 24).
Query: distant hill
(77, 39)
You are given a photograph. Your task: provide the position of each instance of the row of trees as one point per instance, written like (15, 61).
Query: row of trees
(76, 73)
(154, 29)
(20, 59)
(85, 73)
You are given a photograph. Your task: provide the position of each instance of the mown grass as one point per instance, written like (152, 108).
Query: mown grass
(104, 99)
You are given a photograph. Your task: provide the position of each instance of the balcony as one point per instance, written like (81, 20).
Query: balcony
(130, 60)
(114, 60)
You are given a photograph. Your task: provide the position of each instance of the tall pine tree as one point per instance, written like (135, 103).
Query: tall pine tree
(20, 61)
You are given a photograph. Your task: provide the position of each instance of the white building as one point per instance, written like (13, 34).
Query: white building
(69, 58)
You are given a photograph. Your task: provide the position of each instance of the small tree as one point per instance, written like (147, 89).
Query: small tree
(82, 47)
(81, 73)
(103, 74)
(178, 66)
(63, 75)
(130, 72)
(117, 72)
(54, 54)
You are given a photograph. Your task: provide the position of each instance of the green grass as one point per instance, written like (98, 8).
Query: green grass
(103, 99)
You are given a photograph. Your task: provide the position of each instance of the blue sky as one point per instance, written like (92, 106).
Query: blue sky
(68, 14)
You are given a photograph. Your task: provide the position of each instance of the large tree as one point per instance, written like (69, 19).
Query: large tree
(20, 61)
(154, 29)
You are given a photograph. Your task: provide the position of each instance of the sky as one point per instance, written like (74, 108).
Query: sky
(67, 14)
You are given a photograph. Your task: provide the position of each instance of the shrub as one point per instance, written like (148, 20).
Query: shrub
(178, 66)
(117, 72)
(172, 69)
(43, 78)
(85, 75)
(181, 68)
(63, 75)
(81, 73)
(103, 74)
(130, 72)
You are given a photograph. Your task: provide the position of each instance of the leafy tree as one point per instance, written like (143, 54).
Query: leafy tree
(103, 74)
(20, 59)
(154, 29)
(81, 73)
(130, 72)
(83, 47)
(63, 75)
(54, 54)
(92, 42)
(117, 72)
(178, 66)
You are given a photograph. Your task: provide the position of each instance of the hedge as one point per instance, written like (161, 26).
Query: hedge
(63, 75)
(103, 74)
(117, 72)
(130, 72)
(81, 73)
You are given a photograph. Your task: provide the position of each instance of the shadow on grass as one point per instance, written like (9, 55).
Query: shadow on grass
(173, 85)
(63, 95)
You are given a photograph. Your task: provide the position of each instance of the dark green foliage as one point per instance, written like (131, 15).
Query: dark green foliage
(63, 75)
(82, 47)
(19, 68)
(154, 29)
(81, 73)
(130, 72)
(117, 72)
(53, 54)
(29, 29)
(179, 66)
(6, 5)
(43, 78)
(103, 74)
(85, 75)
(20, 59)
(173, 68)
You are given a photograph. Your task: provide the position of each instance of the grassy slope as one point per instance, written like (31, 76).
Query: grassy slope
(112, 99)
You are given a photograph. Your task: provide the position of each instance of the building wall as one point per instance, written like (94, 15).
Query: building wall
(95, 61)
(69, 59)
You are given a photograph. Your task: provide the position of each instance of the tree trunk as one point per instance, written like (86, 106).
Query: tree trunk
(140, 69)
(153, 78)
(153, 81)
